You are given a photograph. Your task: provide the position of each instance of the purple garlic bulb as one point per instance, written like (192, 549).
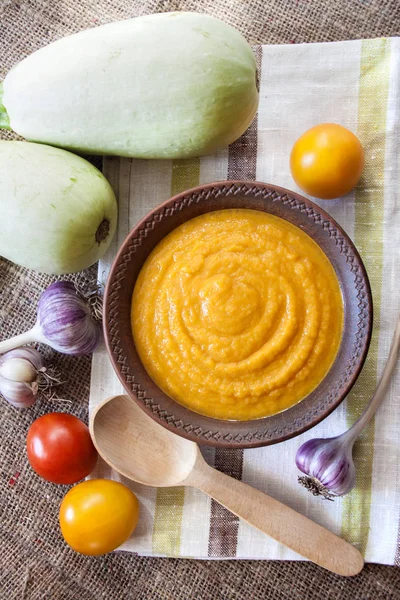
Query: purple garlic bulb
(64, 321)
(328, 466)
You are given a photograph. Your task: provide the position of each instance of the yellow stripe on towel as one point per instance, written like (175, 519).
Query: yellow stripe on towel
(169, 504)
(368, 237)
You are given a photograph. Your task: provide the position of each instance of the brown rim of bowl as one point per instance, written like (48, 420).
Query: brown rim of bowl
(354, 285)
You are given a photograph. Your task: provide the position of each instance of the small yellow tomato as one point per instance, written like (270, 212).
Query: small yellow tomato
(327, 161)
(98, 515)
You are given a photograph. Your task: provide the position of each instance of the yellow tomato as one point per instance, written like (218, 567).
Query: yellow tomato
(97, 516)
(327, 161)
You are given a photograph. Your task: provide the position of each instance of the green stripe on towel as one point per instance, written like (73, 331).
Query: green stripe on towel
(368, 237)
(169, 503)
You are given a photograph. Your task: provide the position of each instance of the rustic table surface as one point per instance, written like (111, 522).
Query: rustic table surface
(34, 561)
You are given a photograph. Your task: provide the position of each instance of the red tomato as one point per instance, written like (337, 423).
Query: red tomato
(60, 448)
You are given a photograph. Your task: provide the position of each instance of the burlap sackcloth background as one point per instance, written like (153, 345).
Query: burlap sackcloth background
(34, 561)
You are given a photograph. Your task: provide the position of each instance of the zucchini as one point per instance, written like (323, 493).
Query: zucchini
(58, 212)
(170, 85)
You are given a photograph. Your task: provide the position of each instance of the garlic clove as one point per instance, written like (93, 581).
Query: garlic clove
(29, 354)
(18, 369)
(19, 376)
(19, 393)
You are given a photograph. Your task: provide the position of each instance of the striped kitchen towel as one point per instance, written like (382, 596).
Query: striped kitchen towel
(355, 84)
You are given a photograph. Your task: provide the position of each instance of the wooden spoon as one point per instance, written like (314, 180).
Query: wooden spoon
(140, 449)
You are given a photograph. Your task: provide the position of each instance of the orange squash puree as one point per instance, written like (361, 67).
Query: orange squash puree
(237, 314)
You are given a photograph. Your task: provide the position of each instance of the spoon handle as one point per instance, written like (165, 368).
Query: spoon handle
(279, 521)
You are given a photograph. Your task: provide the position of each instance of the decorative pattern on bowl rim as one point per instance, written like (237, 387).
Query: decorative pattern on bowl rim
(266, 431)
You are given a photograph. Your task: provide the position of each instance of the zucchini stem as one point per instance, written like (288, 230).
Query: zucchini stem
(4, 120)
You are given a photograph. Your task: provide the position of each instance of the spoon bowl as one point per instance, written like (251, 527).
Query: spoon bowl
(143, 451)
(161, 460)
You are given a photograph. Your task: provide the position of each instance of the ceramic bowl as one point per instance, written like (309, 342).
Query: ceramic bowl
(357, 314)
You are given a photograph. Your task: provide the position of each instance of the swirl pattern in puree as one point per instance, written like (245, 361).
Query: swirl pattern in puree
(237, 314)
